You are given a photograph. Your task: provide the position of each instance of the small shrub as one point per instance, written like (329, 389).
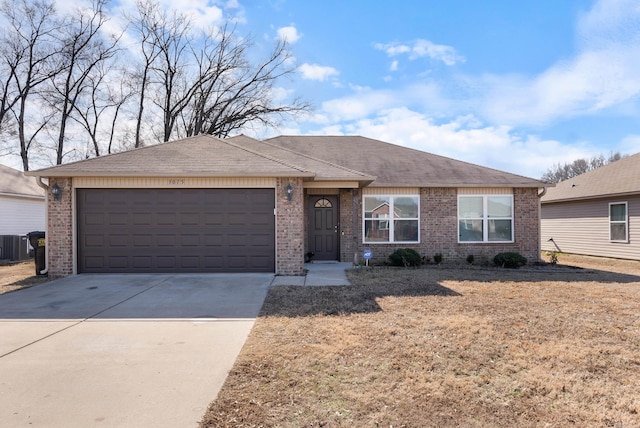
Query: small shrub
(470, 259)
(553, 257)
(437, 258)
(405, 257)
(509, 260)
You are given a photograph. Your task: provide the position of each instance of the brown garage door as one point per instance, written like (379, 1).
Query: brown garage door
(176, 230)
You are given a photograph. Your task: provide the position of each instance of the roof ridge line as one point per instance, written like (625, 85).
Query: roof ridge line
(344, 168)
(271, 158)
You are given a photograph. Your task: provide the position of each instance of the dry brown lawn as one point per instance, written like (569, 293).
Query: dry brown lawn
(441, 346)
(14, 276)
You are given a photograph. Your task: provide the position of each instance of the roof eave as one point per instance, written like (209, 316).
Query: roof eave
(22, 195)
(462, 184)
(164, 174)
(590, 197)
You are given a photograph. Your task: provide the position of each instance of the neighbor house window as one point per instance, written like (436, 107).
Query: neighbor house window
(389, 219)
(485, 218)
(618, 222)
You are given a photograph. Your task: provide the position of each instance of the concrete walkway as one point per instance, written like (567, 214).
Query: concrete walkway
(122, 350)
(318, 274)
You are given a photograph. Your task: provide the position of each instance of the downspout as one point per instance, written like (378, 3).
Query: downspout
(540, 195)
(46, 216)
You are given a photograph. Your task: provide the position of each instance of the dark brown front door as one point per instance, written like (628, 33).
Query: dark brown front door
(323, 227)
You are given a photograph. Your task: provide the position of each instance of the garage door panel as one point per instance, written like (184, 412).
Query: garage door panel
(118, 240)
(175, 230)
(165, 240)
(95, 262)
(94, 241)
(118, 219)
(142, 262)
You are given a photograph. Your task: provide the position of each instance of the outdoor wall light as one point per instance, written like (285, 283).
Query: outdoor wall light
(289, 192)
(56, 192)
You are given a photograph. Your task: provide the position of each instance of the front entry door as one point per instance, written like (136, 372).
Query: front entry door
(323, 228)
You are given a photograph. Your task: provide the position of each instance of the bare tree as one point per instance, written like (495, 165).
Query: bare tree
(562, 172)
(144, 25)
(233, 92)
(84, 51)
(103, 97)
(28, 57)
(223, 92)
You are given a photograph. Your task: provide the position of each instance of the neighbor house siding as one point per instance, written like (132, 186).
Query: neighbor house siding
(582, 227)
(19, 216)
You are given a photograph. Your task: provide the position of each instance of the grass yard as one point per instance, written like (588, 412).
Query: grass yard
(474, 347)
(14, 276)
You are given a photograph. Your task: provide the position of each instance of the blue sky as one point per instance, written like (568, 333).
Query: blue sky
(516, 86)
(513, 85)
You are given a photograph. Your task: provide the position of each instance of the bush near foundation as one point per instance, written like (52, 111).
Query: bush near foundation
(509, 260)
(405, 257)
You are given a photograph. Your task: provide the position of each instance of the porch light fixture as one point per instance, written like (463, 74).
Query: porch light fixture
(56, 192)
(289, 192)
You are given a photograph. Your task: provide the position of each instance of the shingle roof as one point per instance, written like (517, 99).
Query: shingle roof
(14, 183)
(617, 178)
(397, 166)
(322, 158)
(206, 156)
(325, 170)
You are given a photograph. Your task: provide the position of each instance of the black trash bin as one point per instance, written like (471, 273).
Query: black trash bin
(38, 242)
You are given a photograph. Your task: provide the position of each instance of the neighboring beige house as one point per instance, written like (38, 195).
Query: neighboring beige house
(22, 210)
(596, 213)
(204, 204)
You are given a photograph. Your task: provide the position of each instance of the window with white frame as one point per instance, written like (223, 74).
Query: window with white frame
(485, 218)
(390, 219)
(618, 227)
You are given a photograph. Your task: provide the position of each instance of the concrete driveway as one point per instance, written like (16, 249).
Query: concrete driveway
(122, 350)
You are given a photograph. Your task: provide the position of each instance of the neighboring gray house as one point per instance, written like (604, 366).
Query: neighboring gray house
(22, 210)
(204, 204)
(596, 213)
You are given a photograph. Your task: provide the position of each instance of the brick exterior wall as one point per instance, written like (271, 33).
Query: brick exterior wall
(290, 219)
(60, 230)
(349, 224)
(439, 229)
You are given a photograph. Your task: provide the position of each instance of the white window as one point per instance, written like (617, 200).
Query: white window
(485, 218)
(389, 219)
(618, 227)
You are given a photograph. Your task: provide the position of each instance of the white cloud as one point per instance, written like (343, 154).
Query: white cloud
(394, 65)
(317, 72)
(204, 14)
(289, 34)
(422, 48)
(464, 137)
(604, 73)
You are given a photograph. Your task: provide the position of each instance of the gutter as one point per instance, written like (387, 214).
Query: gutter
(41, 184)
(544, 192)
(46, 216)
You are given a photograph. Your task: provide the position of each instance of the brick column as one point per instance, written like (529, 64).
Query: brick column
(289, 227)
(60, 230)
